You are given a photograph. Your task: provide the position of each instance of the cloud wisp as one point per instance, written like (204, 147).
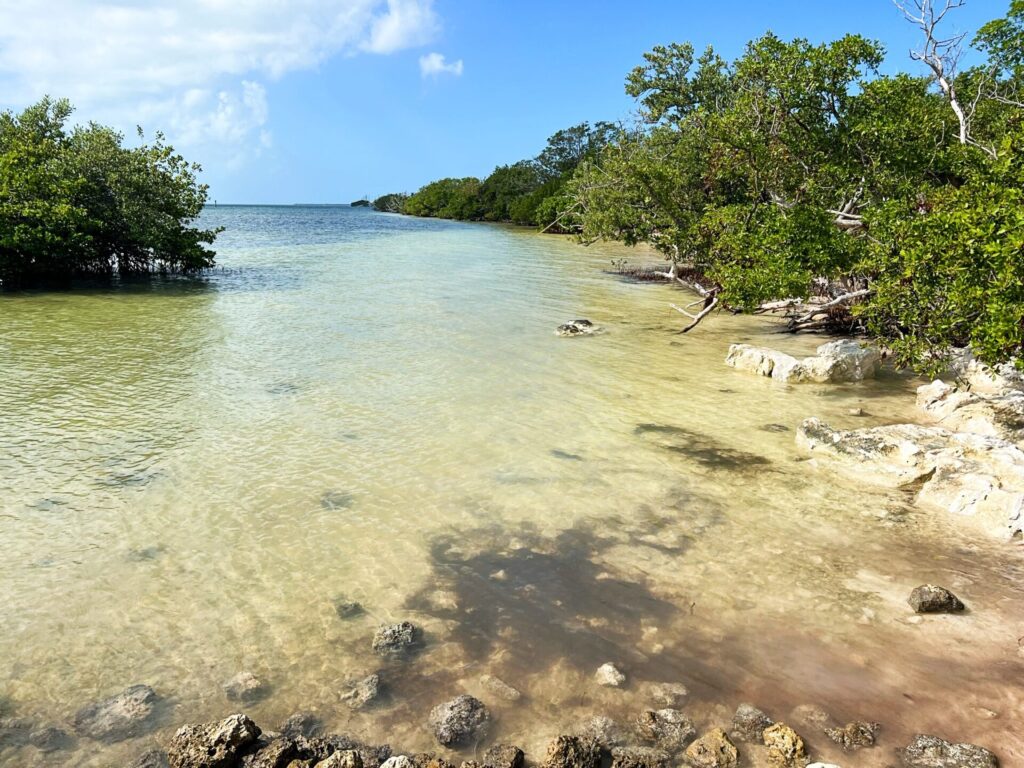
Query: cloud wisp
(435, 64)
(197, 66)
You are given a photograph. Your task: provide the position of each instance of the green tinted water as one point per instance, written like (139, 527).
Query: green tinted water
(376, 408)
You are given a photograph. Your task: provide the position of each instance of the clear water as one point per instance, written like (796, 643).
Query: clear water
(376, 407)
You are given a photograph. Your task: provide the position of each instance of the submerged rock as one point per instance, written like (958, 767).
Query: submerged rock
(713, 750)
(609, 676)
(785, 748)
(498, 687)
(363, 693)
(837, 361)
(397, 639)
(573, 752)
(304, 725)
(929, 598)
(978, 478)
(398, 761)
(460, 721)
(217, 744)
(667, 729)
(604, 730)
(347, 609)
(581, 327)
(933, 752)
(49, 738)
(245, 687)
(152, 759)
(122, 716)
(504, 756)
(669, 694)
(854, 735)
(748, 723)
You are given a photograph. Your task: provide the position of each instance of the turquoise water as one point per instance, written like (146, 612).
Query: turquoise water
(373, 407)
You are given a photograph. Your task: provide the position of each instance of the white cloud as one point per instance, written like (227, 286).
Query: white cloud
(194, 68)
(434, 64)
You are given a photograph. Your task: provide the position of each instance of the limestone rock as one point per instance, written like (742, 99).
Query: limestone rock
(748, 724)
(838, 361)
(979, 478)
(152, 759)
(785, 748)
(573, 752)
(275, 753)
(49, 738)
(122, 716)
(581, 327)
(504, 756)
(349, 758)
(713, 750)
(213, 745)
(986, 379)
(363, 692)
(498, 687)
(244, 687)
(604, 730)
(992, 415)
(398, 761)
(460, 721)
(302, 725)
(609, 676)
(668, 729)
(669, 694)
(933, 752)
(640, 757)
(854, 735)
(397, 639)
(929, 598)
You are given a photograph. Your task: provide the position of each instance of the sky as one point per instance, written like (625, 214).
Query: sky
(328, 101)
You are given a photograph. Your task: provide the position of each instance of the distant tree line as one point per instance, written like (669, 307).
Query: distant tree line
(529, 192)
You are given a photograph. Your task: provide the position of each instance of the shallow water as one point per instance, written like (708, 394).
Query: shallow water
(375, 408)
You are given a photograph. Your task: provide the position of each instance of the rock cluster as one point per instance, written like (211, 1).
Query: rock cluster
(837, 361)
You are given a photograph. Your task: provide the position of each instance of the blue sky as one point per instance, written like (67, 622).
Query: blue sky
(327, 100)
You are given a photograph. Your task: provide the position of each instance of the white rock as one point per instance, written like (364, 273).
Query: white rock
(974, 476)
(985, 379)
(608, 676)
(837, 361)
(822, 765)
(995, 415)
(398, 761)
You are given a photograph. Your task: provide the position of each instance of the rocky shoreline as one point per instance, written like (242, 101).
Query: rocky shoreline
(968, 463)
(661, 736)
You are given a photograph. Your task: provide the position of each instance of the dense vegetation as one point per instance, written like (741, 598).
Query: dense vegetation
(531, 192)
(799, 171)
(798, 168)
(77, 202)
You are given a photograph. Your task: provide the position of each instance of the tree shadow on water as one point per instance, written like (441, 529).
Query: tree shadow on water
(539, 600)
